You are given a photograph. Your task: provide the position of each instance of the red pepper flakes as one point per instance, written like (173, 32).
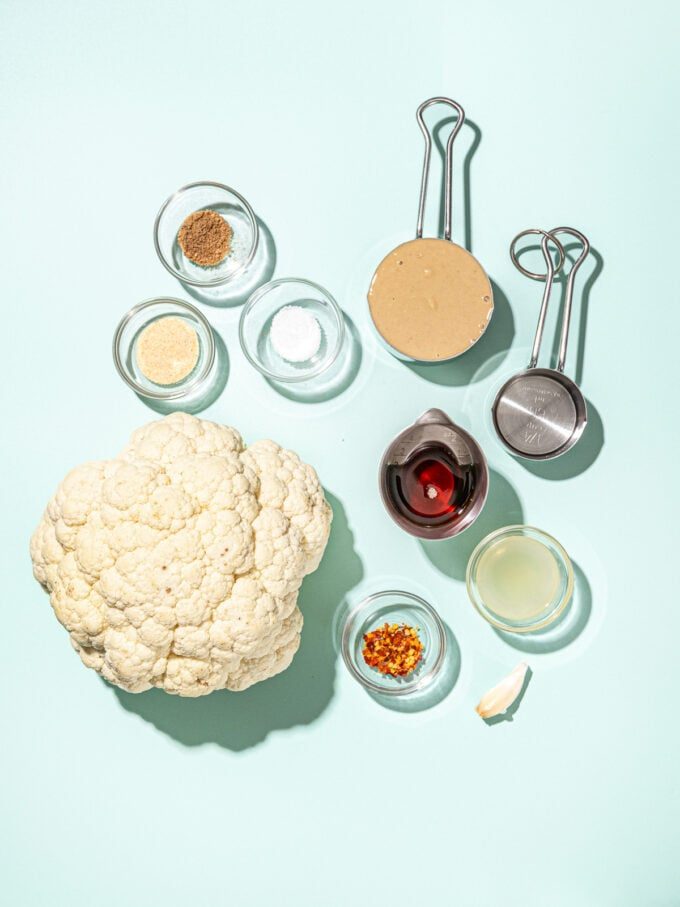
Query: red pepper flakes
(393, 649)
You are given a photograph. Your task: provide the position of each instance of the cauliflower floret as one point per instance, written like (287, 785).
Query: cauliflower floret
(178, 564)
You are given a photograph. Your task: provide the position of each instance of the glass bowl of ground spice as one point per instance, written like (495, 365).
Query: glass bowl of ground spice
(206, 234)
(291, 330)
(394, 643)
(164, 349)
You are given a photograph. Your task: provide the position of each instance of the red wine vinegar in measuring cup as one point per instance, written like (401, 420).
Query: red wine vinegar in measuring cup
(430, 487)
(434, 478)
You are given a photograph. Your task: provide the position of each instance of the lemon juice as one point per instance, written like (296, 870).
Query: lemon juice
(518, 578)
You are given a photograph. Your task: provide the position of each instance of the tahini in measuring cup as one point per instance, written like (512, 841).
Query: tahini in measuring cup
(540, 413)
(430, 299)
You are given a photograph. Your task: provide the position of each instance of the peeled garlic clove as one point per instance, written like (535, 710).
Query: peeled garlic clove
(502, 696)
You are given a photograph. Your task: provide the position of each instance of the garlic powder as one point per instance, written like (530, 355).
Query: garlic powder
(167, 350)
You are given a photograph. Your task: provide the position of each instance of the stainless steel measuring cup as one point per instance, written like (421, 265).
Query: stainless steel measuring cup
(435, 430)
(540, 413)
(406, 310)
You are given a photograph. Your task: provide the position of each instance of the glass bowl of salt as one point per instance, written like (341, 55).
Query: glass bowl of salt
(291, 330)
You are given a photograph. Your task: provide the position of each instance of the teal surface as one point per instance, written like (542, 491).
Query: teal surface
(304, 791)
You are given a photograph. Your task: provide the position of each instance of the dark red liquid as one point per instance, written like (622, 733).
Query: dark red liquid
(431, 488)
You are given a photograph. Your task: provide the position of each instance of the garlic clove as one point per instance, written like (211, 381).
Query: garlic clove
(499, 698)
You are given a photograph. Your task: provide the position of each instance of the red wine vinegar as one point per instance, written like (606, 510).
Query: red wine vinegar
(431, 488)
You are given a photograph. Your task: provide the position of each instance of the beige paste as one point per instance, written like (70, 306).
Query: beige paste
(430, 299)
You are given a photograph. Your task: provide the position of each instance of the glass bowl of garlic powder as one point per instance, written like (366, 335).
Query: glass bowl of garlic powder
(291, 330)
(164, 349)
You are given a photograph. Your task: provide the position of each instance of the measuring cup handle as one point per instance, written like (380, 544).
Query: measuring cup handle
(550, 269)
(569, 293)
(448, 179)
(549, 275)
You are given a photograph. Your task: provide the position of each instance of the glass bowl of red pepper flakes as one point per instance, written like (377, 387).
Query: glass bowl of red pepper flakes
(394, 643)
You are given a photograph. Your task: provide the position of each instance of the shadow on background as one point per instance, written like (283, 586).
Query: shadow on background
(335, 380)
(503, 508)
(236, 292)
(237, 721)
(434, 694)
(204, 398)
(577, 460)
(568, 627)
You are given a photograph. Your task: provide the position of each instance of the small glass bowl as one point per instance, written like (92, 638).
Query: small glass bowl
(256, 321)
(199, 197)
(394, 607)
(552, 610)
(125, 342)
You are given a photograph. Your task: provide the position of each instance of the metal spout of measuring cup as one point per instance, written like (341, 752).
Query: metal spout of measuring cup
(433, 427)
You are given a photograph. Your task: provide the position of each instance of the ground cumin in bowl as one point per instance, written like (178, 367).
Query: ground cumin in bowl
(206, 234)
(205, 237)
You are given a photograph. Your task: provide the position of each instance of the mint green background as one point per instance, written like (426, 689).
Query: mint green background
(304, 791)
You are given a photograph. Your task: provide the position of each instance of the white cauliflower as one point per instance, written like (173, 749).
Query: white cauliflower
(178, 563)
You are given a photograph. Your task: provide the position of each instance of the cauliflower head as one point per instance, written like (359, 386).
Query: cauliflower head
(178, 563)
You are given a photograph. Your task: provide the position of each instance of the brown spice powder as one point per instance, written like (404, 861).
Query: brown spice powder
(205, 237)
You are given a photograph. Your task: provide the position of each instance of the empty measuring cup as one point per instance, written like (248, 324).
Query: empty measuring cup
(540, 413)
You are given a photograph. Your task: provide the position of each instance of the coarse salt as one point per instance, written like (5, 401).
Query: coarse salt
(295, 334)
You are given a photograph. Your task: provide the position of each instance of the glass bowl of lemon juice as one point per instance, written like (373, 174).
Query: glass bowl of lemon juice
(520, 579)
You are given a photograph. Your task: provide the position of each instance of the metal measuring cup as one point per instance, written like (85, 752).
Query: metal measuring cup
(411, 261)
(433, 428)
(540, 413)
